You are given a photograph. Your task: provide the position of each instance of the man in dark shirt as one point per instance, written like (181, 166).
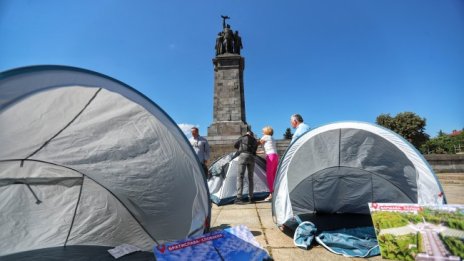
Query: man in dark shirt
(246, 146)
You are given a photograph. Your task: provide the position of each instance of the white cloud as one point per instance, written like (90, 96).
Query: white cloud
(186, 128)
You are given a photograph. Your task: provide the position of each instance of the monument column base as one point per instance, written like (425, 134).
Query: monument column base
(222, 137)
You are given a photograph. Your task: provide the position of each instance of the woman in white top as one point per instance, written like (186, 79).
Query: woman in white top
(272, 159)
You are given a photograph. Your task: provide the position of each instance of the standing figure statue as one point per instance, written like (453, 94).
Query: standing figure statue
(237, 43)
(219, 41)
(228, 40)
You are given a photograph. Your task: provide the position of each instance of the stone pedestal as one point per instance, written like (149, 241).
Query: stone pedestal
(229, 122)
(222, 136)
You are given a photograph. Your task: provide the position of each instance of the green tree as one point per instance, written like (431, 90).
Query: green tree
(407, 124)
(386, 121)
(441, 133)
(444, 144)
(288, 134)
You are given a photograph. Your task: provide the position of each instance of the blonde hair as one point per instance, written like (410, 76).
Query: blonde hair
(268, 130)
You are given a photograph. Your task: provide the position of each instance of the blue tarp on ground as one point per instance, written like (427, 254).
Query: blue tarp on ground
(350, 242)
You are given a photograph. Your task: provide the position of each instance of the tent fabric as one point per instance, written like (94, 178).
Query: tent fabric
(221, 165)
(339, 168)
(76, 253)
(87, 160)
(223, 182)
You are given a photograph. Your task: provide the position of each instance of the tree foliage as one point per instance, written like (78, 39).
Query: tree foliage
(407, 124)
(288, 134)
(444, 143)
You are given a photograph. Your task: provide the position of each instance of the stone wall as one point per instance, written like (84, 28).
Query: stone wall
(221, 147)
(282, 146)
(226, 145)
(446, 163)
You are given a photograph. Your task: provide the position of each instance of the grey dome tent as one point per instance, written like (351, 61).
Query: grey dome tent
(86, 160)
(223, 182)
(338, 168)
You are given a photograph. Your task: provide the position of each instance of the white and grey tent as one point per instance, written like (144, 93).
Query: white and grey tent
(339, 168)
(86, 160)
(223, 182)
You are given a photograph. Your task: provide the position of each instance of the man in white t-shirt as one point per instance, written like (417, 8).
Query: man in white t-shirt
(201, 147)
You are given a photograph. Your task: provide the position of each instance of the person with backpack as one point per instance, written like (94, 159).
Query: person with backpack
(246, 147)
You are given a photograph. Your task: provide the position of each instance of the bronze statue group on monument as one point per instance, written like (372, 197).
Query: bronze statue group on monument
(227, 41)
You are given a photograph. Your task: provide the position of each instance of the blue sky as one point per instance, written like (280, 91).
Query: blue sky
(329, 60)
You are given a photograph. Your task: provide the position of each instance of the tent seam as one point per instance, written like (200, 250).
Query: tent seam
(339, 146)
(75, 211)
(312, 189)
(372, 189)
(66, 126)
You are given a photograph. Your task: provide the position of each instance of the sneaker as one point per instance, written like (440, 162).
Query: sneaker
(251, 200)
(239, 201)
(268, 198)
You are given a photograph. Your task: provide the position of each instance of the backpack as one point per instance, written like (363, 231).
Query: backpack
(248, 144)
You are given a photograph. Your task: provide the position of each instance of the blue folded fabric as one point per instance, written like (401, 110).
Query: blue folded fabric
(350, 242)
(304, 234)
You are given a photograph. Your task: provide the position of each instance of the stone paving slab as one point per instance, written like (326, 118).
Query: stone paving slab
(263, 205)
(276, 238)
(265, 215)
(235, 206)
(232, 217)
(260, 236)
(214, 215)
(454, 193)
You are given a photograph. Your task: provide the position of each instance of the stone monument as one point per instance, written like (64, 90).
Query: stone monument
(229, 121)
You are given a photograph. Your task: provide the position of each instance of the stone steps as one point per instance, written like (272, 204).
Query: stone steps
(451, 178)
